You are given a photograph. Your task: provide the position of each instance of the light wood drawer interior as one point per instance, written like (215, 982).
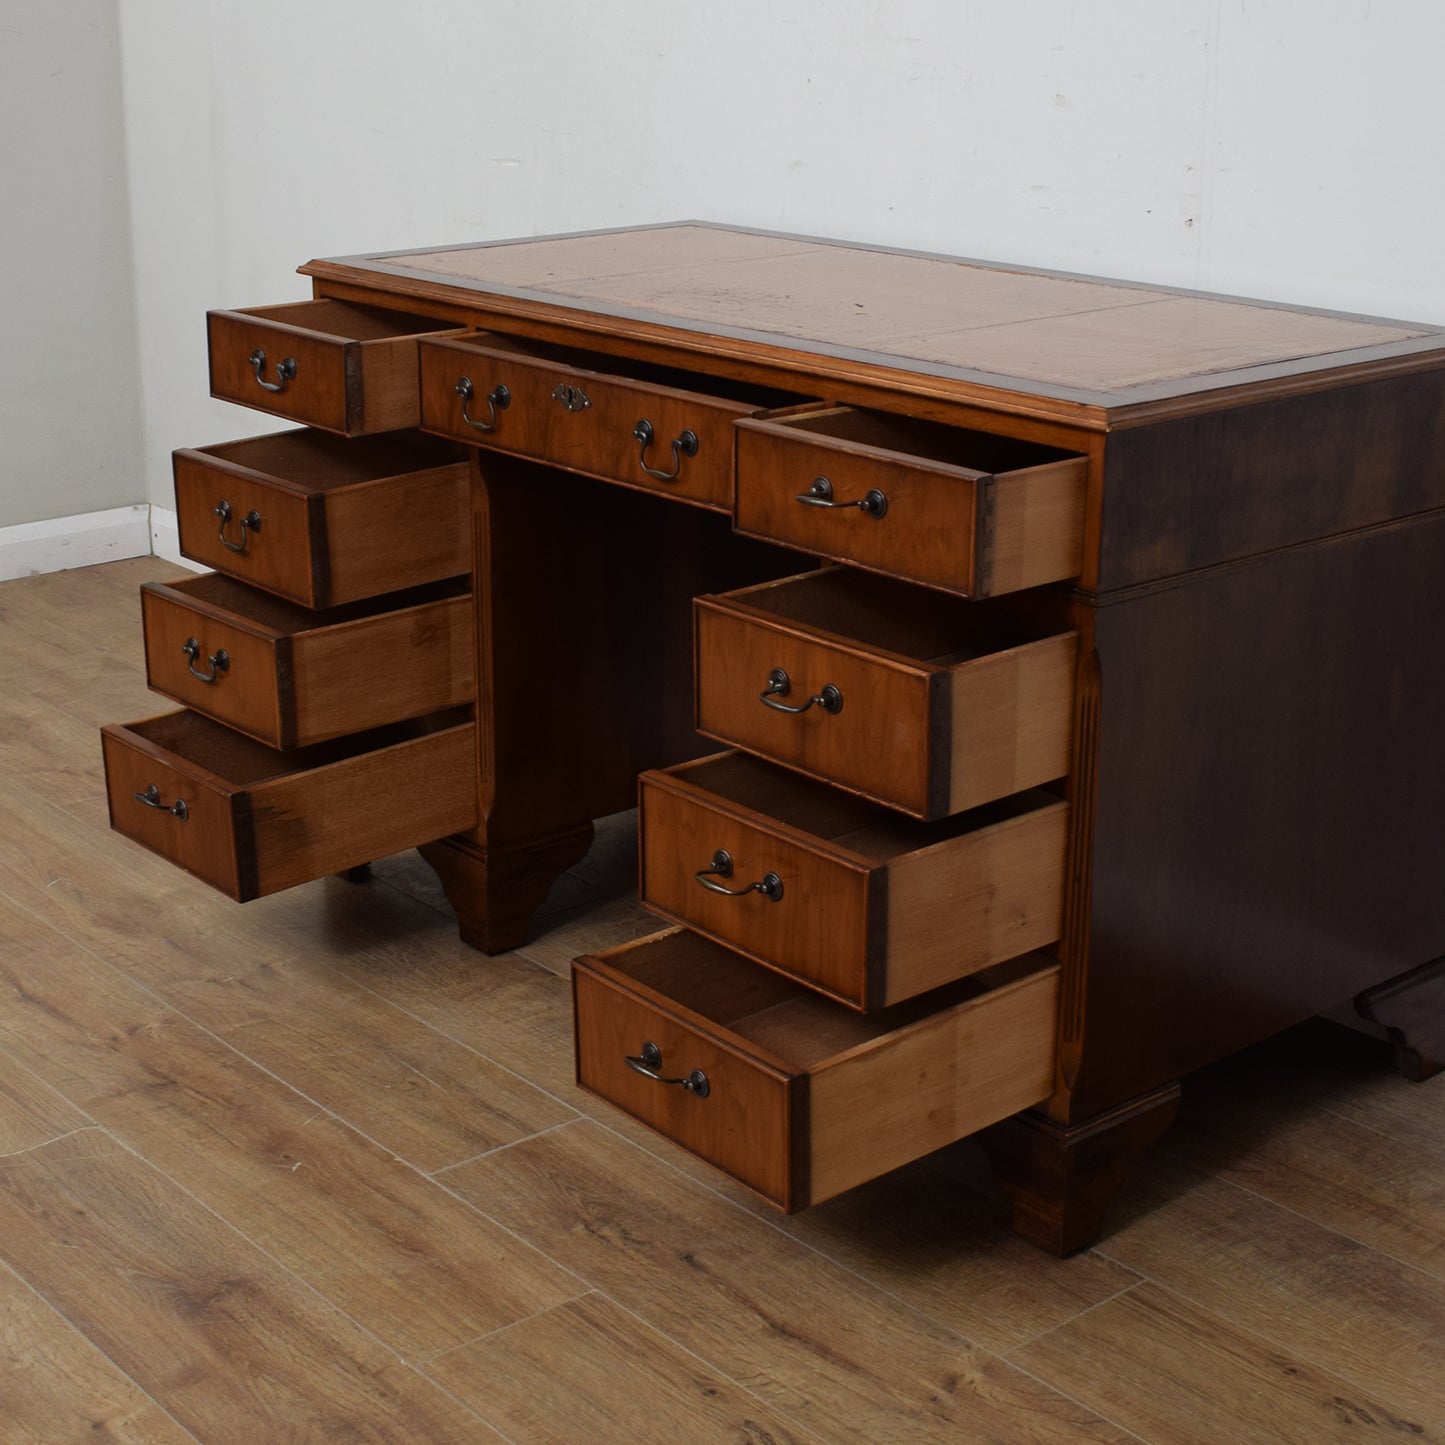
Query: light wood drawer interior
(926, 703)
(968, 511)
(290, 676)
(805, 1099)
(345, 368)
(639, 424)
(324, 521)
(250, 820)
(850, 898)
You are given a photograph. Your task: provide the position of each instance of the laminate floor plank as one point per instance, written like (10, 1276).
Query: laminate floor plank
(1313, 1293)
(841, 1357)
(621, 1381)
(1155, 1363)
(1274, 1138)
(230, 1344)
(414, 1264)
(56, 1388)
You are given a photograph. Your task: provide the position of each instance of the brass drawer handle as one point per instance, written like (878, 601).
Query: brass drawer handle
(769, 885)
(251, 522)
(498, 399)
(820, 494)
(649, 1061)
(152, 799)
(572, 397)
(219, 661)
(683, 445)
(780, 685)
(285, 371)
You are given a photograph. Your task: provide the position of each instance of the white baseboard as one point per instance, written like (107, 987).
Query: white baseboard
(166, 538)
(80, 541)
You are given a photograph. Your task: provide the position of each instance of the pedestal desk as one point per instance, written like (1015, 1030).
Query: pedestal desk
(1036, 681)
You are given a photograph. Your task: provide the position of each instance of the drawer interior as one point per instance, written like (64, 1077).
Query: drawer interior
(217, 592)
(243, 763)
(875, 833)
(973, 451)
(760, 398)
(345, 321)
(315, 461)
(892, 616)
(774, 1015)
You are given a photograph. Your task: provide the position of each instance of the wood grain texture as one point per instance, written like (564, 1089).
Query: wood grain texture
(1153, 1362)
(56, 1386)
(194, 1313)
(317, 1196)
(622, 1381)
(842, 1358)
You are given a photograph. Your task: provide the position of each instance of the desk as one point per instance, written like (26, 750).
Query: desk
(1130, 614)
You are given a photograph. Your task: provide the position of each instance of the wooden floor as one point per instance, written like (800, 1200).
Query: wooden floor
(310, 1169)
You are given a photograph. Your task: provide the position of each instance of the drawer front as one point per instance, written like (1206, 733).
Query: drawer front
(325, 522)
(791, 1094)
(743, 1124)
(347, 369)
(928, 704)
(658, 438)
(955, 527)
(884, 741)
(812, 923)
(847, 898)
(251, 821)
(289, 677)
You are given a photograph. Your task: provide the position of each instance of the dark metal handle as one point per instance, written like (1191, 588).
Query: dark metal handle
(152, 799)
(820, 494)
(219, 661)
(769, 885)
(251, 522)
(683, 445)
(498, 399)
(572, 397)
(649, 1061)
(780, 685)
(285, 371)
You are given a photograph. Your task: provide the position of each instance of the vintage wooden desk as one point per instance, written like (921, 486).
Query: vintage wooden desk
(1106, 741)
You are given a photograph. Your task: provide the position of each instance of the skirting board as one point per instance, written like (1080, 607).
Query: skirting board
(91, 537)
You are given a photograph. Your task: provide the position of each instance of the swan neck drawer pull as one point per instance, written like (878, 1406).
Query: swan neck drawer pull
(220, 661)
(649, 1062)
(780, 685)
(684, 444)
(820, 494)
(251, 522)
(285, 371)
(769, 885)
(152, 799)
(498, 400)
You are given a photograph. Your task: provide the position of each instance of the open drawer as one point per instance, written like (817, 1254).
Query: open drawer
(345, 368)
(963, 510)
(792, 1095)
(632, 422)
(251, 821)
(289, 676)
(927, 703)
(843, 895)
(325, 521)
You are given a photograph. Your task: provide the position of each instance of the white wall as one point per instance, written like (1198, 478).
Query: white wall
(69, 398)
(1280, 148)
